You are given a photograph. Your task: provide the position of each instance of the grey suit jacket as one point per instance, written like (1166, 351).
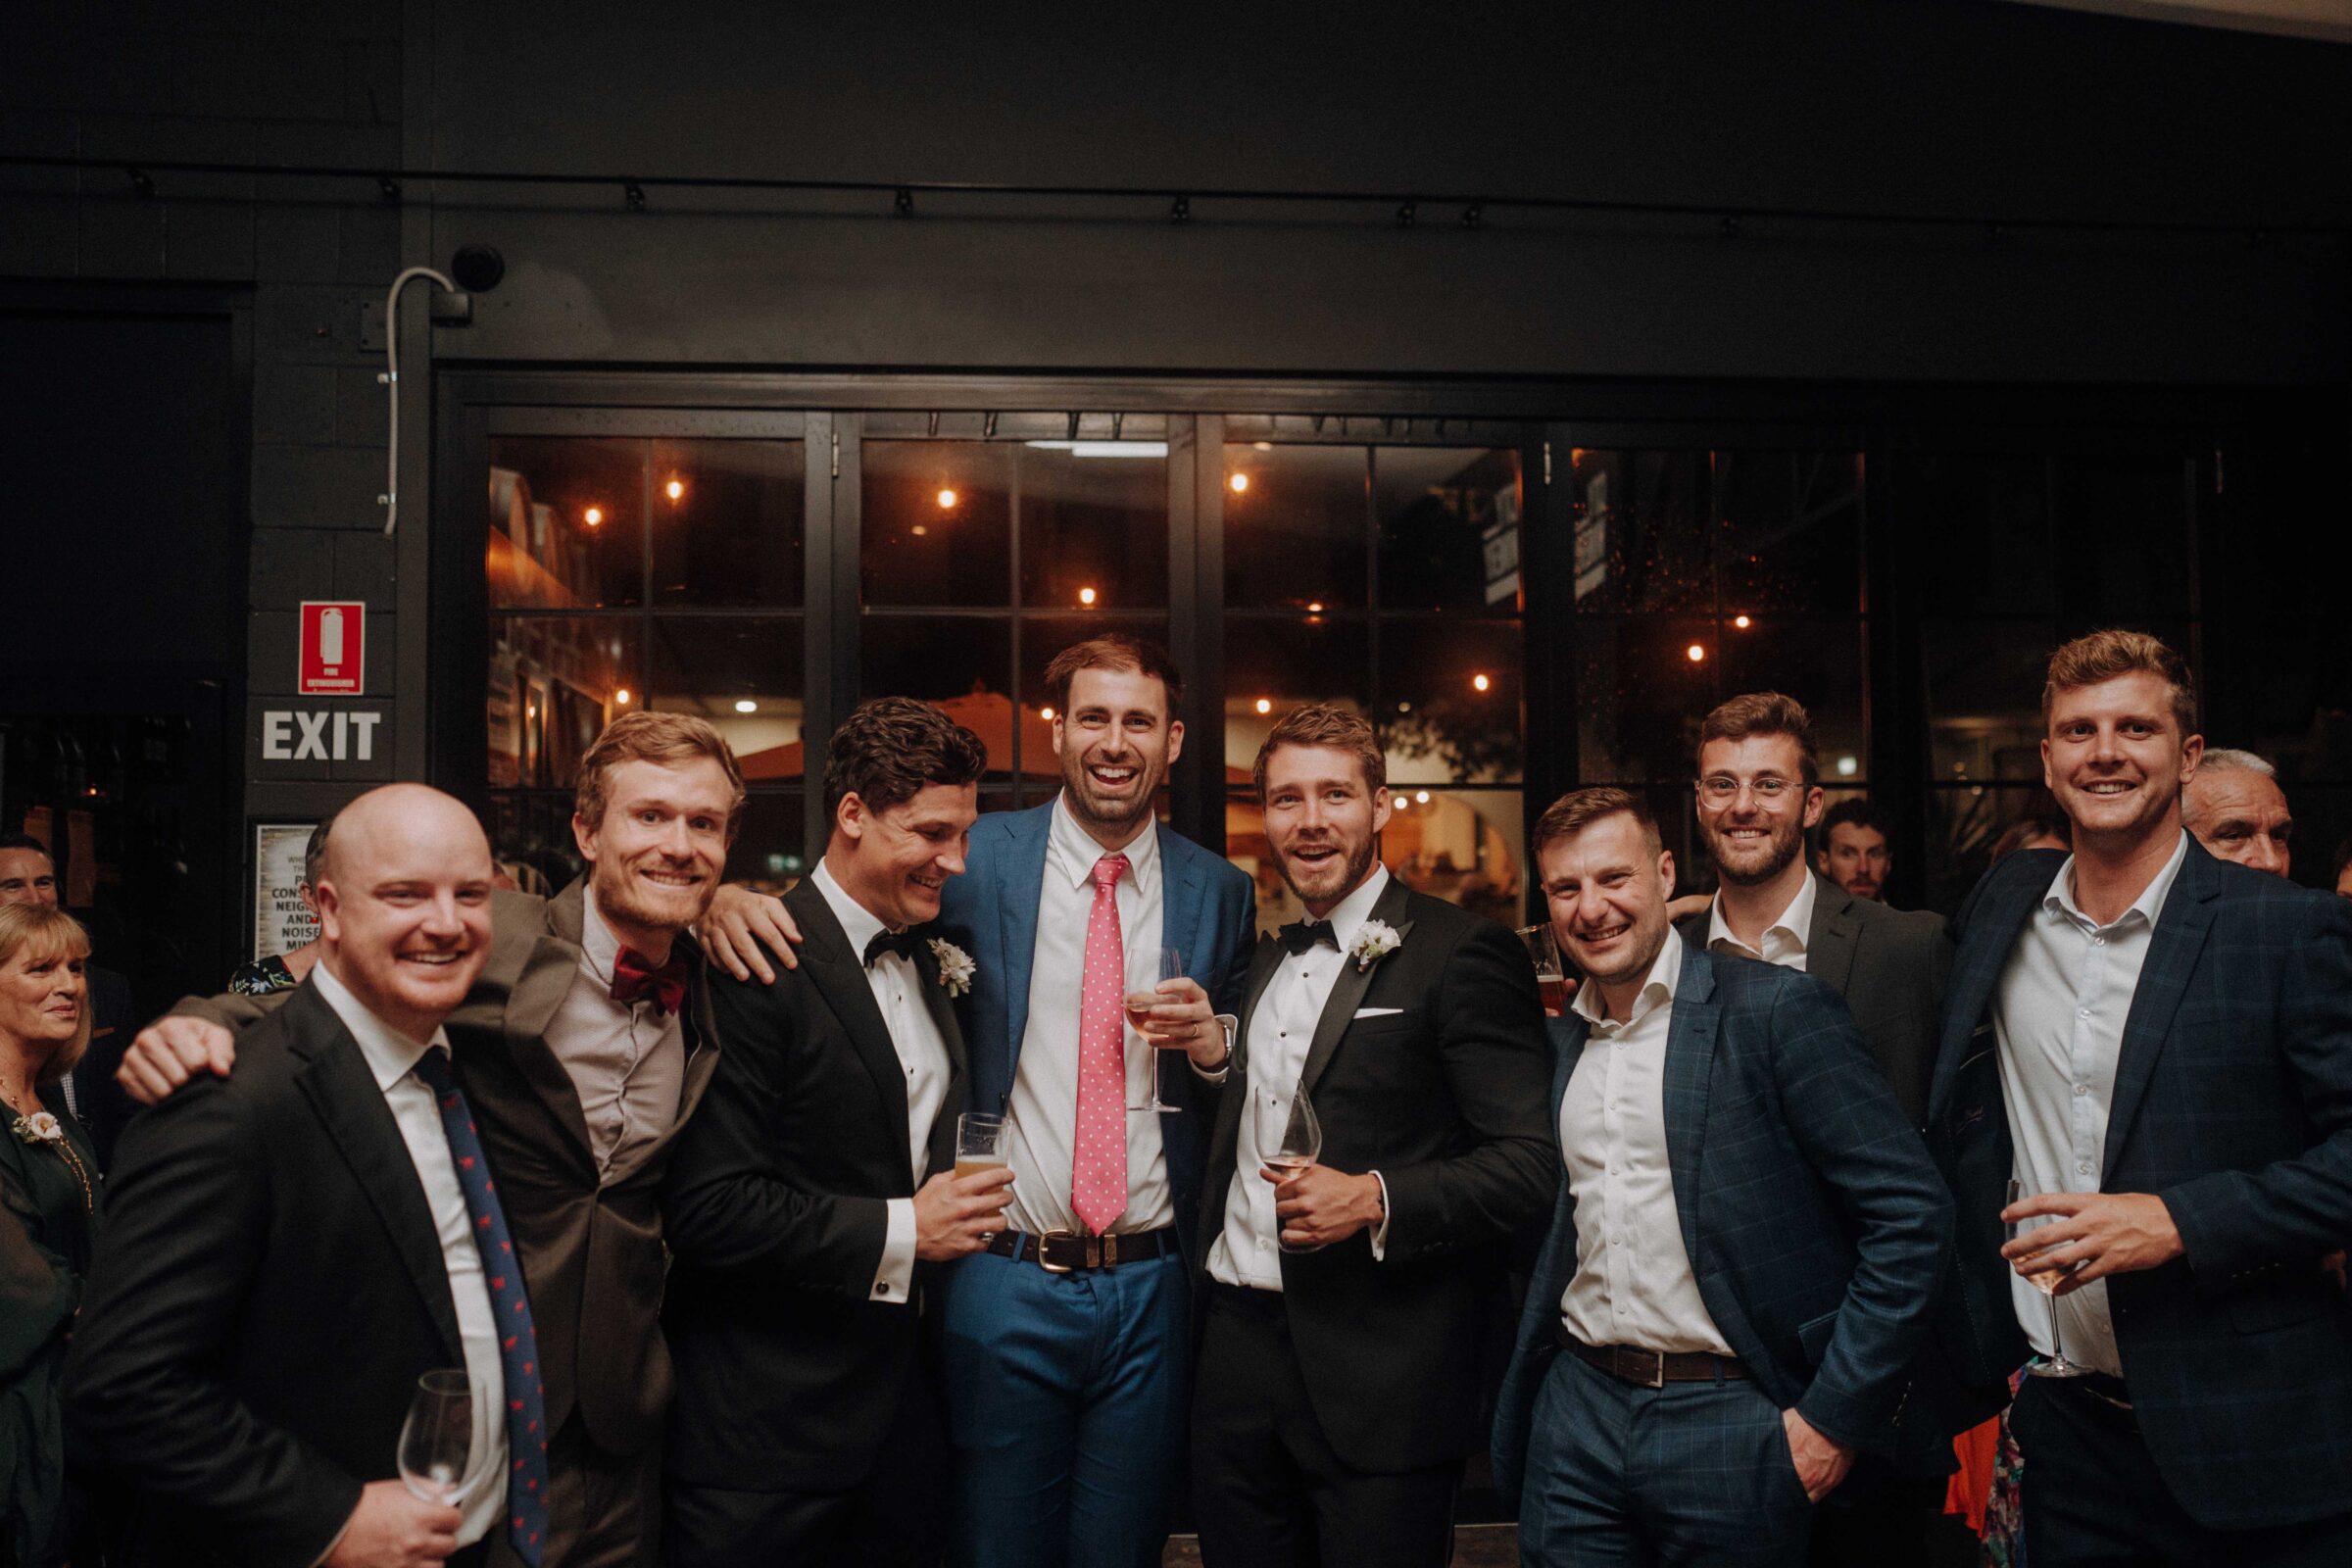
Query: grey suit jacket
(1891, 965)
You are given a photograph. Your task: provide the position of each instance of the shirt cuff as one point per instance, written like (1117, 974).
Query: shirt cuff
(1380, 1232)
(893, 1281)
(1224, 1069)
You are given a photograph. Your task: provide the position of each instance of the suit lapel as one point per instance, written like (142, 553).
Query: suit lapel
(361, 1126)
(535, 994)
(2172, 950)
(1985, 944)
(951, 1034)
(1830, 946)
(1182, 882)
(1689, 1067)
(839, 977)
(1017, 895)
(1348, 991)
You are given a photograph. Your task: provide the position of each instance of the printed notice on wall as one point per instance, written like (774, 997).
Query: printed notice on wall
(282, 921)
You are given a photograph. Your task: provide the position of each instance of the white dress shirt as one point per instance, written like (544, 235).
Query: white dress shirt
(922, 1057)
(1044, 1087)
(627, 1062)
(1633, 1283)
(391, 1058)
(1783, 939)
(1248, 1250)
(2058, 1018)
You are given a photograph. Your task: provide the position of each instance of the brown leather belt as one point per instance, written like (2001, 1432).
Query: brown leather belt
(1067, 1252)
(1654, 1369)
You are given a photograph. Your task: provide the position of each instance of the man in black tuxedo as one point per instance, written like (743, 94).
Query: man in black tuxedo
(288, 1250)
(1342, 1385)
(811, 1197)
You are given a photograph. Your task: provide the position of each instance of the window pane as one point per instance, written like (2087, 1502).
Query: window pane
(965, 664)
(937, 525)
(531, 837)
(554, 681)
(771, 850)
(1094, 522)
(1789, 530)
(2124, 535)
(1965, 825)
(1045, 636)
(1273, 665)
(1641, 534)
(1639, 697)
(566, 524)
(1985, 698)
(1819, 664)
(744, 674)
(733, 533)
(1295, 531)
(1449, 527)
(1440, 724)
(1990, 512)
(1468, 847)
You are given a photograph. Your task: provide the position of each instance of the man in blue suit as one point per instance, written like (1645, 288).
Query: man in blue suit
(1745, 1245)
(1067, 1342)
(2157, 1046)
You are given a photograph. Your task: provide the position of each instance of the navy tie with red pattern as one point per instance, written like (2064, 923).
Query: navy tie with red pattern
(510, 1308)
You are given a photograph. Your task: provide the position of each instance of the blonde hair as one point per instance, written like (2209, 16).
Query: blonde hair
(2105, 655)
(648, 737)
(50, 934)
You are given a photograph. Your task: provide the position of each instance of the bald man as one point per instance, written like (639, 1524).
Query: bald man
(289, 1250)
(2232, 804)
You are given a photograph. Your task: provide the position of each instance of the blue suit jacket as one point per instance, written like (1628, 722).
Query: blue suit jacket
(1813, 1221)
(2233, 1103)
(991, 912)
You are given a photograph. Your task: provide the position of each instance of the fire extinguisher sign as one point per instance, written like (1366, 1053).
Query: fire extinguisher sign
(334, 647)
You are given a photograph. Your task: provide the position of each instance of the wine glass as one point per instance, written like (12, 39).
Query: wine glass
(2047, 1281)
(1289, 1139)
(440, 1442)
(1138, 1009)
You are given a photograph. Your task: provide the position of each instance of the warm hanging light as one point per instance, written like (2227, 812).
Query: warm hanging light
(675, 489)
(1479, 682)
(1086, 596)
(1239, 483)
(1421, 797)
(744, 704)
(593, 516)
(946, 499)
(1266, 705)
(1316, 608)
(1045, 712)
(1696, 653)
(1742, 622)
(620, 697)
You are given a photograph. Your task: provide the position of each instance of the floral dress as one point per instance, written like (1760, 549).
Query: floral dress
(49, 1206)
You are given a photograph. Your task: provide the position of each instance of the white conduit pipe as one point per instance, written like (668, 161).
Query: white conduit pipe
(390, 499)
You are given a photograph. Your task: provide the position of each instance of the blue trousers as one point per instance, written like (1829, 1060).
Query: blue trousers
(1696, 1473)
(1066, 1399)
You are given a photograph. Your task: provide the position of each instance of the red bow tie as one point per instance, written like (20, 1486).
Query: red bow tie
(636, 976)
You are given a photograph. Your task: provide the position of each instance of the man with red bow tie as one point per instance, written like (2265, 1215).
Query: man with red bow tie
(583, 1048)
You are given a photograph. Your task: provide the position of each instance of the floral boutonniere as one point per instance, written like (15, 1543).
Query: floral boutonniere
(956, 966)
(1374, 941)
(38, 1128)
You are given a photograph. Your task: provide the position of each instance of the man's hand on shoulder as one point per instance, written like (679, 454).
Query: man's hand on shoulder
(169, 1052)
(741, 927)
(390, 1529)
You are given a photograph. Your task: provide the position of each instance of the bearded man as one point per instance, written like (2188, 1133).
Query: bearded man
(583, 1048)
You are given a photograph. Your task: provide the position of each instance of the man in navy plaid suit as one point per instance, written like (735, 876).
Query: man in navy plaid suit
(1743, 1250)
(2157, 1046)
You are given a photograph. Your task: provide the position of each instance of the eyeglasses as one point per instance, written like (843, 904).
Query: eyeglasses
(1721, 789)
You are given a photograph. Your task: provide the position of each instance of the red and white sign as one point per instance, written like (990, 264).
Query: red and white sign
(334, 647)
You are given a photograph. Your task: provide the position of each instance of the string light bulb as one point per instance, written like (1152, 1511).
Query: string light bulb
(1696, 653)
(620, 697)
(1238, 483)
(1266, 705)
(1742, 622)
(1086, 596)
(946, 499)
(675, 489)
(593, 516)
(1479, 682)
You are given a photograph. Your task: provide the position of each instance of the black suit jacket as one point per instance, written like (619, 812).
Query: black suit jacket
(789, 1375)
(1445, 1098)
(590, 1242)
(101, 1106)
(1891, 966)
(268, 1290)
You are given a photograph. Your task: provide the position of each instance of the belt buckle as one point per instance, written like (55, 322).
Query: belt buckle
(1657, 1369)
(1046, 1262)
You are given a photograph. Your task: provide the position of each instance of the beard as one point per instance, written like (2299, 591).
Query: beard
(1109, 812)
(1757, 865)
(621, 895)
(1327, 881)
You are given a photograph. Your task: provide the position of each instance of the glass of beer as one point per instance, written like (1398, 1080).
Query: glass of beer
(1551, 976)
(2046, 1281)
(980, 1143)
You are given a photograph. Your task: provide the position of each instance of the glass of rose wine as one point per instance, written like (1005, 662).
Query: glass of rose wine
(2046, 1281)
(1290, 1140)
(1138, 1013)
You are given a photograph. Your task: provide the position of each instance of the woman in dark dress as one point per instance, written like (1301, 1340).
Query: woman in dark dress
(49, 1203)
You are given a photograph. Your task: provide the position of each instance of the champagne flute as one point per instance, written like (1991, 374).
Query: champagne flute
(2046, 1281)
(440, 1441)
(1290, 1140)
(1139, 1011)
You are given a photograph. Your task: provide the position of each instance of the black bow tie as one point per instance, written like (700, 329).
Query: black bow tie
(902, 942)
(1300, 935)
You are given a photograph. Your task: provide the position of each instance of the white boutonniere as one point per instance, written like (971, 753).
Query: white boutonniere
(956, 966)
(38, 1128)
(1374, 941)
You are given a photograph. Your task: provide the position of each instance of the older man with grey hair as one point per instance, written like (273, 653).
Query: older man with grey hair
(2233, 805)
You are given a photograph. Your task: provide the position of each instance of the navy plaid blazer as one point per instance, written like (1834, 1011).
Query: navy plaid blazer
(2232, 1103)
(1815, 1224)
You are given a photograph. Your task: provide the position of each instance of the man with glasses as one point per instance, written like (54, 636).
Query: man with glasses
(1758, 791)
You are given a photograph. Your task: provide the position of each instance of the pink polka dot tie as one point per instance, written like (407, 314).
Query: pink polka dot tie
(1099, 1162)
